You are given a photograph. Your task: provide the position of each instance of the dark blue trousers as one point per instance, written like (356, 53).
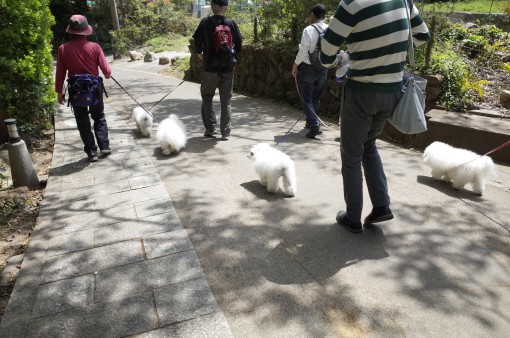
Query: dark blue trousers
(81, 114)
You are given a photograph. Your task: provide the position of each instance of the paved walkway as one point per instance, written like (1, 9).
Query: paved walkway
(114, 255)
(109, 256)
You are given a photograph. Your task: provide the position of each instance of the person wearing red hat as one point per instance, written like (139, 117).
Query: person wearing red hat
(77, 57)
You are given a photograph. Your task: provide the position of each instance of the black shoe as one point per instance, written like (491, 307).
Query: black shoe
(308, 125)
(210, 133)
(105, 152)
(341, 218)
(314, 131)
(379, 214)
(92, 156)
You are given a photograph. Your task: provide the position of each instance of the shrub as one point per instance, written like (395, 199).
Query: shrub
(26, 89)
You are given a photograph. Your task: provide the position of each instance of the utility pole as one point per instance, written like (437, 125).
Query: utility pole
(115, 16)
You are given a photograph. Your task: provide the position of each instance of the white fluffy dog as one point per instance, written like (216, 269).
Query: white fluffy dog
(143, 121)
(460, 166)
(171, 135)
(271, 164)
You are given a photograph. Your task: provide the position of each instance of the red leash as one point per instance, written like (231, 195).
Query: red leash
(497, 148)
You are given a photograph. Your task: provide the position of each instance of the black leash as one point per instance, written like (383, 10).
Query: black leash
(138, 103)
(299, 119)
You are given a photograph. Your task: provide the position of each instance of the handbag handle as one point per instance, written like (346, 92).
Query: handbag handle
(410, 48)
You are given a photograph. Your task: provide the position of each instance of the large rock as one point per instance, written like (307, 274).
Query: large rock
(134, 55)
(504, 98)
(150, 56)
(164, 60)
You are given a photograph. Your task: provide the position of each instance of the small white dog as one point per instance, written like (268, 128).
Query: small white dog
(460, 166)
(143, 121)
(271, 164)
(171, 135)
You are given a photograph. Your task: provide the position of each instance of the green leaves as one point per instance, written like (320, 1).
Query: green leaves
(26, 62)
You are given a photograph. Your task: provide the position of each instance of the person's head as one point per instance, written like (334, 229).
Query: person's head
(219, 6)
(78, 25)
(318, 12)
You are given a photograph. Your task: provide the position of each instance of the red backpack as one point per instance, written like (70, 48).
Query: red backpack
(223, 46)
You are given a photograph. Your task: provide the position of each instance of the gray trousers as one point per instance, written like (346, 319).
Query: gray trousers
(224, 83)
(362, 120)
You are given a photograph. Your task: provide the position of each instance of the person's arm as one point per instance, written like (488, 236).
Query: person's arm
(198, 37)
(338, 30)
(238, 38)
(304, 48)
(419, 29)
(60, 76)
(103, 64)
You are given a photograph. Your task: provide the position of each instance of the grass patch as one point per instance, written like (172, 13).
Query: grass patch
(170, 42)
(473, 6)
(177, 69)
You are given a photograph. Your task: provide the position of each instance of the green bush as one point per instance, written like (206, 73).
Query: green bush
(26, 89)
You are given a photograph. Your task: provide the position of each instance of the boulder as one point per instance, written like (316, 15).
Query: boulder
(134, 55)
(504, 98)
(150, 56)
(164, 60)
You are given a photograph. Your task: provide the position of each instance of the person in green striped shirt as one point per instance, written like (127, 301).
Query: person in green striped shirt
(376, 34)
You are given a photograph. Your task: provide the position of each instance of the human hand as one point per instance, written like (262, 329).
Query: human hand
(201, 56)
(294, 70)
(61, 98)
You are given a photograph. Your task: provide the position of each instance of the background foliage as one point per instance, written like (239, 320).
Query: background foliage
(26, 91)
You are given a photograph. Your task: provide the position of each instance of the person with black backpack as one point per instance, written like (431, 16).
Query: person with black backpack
(217, 40)
(308, 70)
(81, 60)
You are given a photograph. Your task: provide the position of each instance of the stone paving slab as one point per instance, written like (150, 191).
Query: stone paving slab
(108, 256)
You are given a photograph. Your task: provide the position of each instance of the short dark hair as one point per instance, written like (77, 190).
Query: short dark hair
(319, 11)
(220, 2)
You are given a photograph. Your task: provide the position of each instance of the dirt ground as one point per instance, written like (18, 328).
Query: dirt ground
(19, 208)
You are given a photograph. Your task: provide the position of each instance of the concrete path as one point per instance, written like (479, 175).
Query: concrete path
(276, 266)
(109, 256)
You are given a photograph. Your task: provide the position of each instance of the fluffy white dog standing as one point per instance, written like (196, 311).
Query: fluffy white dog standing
(143, 121)
(171, 135)
(271, 164)
(460, 166)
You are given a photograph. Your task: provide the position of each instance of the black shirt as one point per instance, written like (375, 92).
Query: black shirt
(204, 40)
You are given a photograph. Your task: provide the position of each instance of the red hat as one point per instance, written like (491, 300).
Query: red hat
(78, 25)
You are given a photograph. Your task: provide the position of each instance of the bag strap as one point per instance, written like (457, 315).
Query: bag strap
(410, 48)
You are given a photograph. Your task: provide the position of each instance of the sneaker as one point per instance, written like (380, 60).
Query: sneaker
(379, 214)
(93, 156)
(105, 152)
(210, 133)
(314, 131)
(308, 125)
(341, 218)
(225, 137)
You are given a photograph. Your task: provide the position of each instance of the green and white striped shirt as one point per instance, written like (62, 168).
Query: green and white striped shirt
(376, 33)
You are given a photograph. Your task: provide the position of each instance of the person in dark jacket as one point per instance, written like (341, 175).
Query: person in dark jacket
(216, 73)
(77, 57)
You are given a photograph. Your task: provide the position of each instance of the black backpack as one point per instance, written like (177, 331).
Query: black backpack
(315, 55)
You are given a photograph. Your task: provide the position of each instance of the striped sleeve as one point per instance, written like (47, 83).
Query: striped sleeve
(376, 34)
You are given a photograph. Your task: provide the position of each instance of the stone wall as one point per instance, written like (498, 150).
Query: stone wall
(265, 72)
(501, 21)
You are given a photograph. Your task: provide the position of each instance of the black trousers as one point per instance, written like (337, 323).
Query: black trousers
(81, 114)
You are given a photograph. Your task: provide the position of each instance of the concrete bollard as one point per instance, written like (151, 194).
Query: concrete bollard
(22, 169)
